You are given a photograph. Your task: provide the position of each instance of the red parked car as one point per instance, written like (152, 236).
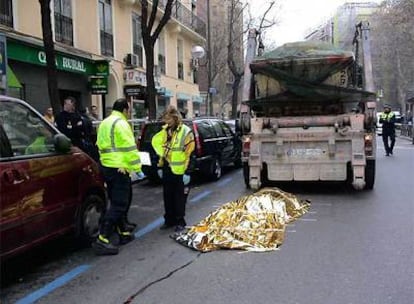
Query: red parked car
(47, 186)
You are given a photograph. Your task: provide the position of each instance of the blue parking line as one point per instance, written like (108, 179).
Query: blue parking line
(62, 280)
(224, 182)
(200, 196)
(36, 295)
(151, 226)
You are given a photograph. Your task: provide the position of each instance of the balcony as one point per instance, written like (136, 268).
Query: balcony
(185, 16)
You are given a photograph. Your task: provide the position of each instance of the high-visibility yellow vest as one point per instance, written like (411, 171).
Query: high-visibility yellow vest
(387, 116)
(116, 143)
(174, 151)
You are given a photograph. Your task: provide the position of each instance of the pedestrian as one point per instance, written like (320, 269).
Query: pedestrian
(174, 145)
(88, 138)
(49, 115)
(94, 113)
(69, 122)
(387, 119)
(119, 158)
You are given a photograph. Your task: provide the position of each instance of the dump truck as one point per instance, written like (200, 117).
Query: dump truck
(308, 113)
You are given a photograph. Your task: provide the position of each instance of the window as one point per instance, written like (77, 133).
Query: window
(63, 21)
(105, 24)
(137, 38)
(218, 128)
(27, 133)
(6, 13)
(161, 54)
(180, 55)
(205, 129)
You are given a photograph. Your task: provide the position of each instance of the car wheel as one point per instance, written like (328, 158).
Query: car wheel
(246, 175)
(89, 218)
(215, 170)
(370, 174)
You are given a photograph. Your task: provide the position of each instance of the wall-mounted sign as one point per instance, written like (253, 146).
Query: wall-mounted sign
(36, 55)
(136, 91)
(101, 68)
(98, 85)
(134, 77)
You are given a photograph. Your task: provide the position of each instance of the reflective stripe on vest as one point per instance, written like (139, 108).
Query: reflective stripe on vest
(113, 146)
(177, 148)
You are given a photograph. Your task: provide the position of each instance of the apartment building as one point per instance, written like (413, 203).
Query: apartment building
(340, 28)
(99, 53)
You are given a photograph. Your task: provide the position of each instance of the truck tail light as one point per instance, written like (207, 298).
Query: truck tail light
(369, 147)
(246, 147)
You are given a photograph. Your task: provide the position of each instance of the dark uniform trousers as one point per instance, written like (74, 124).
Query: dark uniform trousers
(174, 197)
(119, 192)
(388, 137)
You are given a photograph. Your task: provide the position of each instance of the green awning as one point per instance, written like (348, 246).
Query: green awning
(12, 81)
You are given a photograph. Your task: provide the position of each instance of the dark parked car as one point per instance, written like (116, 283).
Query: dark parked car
(216, 146)
(47, 186)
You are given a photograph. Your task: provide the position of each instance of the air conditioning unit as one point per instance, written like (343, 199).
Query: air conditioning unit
(132, 60)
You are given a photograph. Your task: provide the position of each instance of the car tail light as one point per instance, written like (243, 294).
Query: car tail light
(199, 148)
(246, 146)
(369, 147)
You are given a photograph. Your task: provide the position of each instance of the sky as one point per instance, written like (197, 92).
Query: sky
(296, 17)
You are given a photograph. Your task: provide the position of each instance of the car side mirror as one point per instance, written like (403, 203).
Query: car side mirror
(62, 143)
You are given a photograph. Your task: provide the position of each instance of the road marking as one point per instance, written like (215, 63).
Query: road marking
(224, 182)
(151, 226)
(48, 288)
(200, 196)
(307, 220)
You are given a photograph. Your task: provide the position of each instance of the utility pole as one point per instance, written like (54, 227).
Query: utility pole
(209, 95)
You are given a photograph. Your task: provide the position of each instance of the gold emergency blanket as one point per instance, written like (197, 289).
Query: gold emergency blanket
(255, 222)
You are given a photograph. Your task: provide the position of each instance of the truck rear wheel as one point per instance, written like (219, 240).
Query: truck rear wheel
(246, 175)
(370, 174)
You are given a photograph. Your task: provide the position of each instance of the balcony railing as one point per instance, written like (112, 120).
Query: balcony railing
(107, 44)
(63, 29)
(186, 17)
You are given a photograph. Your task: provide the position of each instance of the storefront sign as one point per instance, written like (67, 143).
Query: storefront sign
(136, 91)
(98, 85)
(101, 68)
(134, 77)
(36, 55)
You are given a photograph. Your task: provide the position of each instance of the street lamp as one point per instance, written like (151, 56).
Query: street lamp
(198, 52)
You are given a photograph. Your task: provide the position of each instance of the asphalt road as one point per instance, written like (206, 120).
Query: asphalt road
(352, 247)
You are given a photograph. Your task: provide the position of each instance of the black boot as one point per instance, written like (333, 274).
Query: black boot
(125, 236)
(103, 245)
(127, 225)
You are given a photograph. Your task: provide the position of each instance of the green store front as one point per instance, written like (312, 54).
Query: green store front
(27, 76)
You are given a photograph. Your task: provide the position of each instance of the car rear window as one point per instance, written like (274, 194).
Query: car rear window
(205, 129)
(149, 131)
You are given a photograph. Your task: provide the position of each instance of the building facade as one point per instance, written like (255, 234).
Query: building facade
(221, 22)
(99, 53)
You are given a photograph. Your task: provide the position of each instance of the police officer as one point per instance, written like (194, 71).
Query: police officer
(174, 145)
(387, 119)
(119, 157)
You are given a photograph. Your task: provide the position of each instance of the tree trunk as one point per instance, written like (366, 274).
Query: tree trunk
(151, 91)
(235, 96)
(52, 76)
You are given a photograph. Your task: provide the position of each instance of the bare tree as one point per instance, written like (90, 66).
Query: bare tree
(150, 34)
(235, 34)
(52, 75)
(393, 37)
